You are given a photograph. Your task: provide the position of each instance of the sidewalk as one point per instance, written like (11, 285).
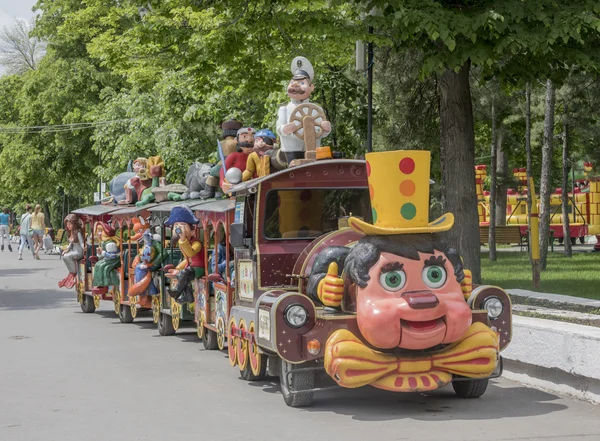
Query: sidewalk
(556, 343)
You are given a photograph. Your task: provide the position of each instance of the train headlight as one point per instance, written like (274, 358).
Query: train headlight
(296, 315)
(494, 307)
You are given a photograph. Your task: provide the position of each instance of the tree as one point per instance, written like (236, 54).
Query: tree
(513, 40)
(545, 187)
(565, 183)
(19, 51)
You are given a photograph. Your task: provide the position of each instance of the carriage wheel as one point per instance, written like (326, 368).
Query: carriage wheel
(200, 326)
(242, 347)
(155, 308)
(96, 301)
(116, 300)
(79, 292)
(221, 333)
(133, 306)
(231, 342)
(175, 314)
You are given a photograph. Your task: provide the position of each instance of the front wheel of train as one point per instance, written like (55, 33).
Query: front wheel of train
(296, 385)
(125, 315)
(87, 304)
(165, 324)
(470, 388)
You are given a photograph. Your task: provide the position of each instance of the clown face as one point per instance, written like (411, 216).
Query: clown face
(412, 304)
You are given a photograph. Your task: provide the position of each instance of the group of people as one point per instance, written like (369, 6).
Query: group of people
(31, 230)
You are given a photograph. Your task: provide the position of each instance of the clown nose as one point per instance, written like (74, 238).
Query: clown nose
(420, 299)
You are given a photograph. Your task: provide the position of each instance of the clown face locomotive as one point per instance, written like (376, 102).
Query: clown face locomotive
(378, 299)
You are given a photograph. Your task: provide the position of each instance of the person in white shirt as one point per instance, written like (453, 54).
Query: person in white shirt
(299, 90)
(25, 234)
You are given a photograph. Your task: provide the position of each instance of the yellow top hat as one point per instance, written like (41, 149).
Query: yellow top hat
(399, 192)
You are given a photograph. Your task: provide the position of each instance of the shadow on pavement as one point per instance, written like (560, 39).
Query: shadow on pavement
(370, 404)
(10, 272)
(34, 299)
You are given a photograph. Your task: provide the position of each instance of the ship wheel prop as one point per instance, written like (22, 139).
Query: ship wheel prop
(308, 118)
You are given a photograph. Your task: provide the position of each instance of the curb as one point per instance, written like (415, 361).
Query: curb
(558, 357)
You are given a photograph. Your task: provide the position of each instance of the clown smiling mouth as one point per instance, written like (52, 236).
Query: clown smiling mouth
(423, 329)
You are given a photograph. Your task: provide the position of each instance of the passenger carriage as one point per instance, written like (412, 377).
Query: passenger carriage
(86, 297)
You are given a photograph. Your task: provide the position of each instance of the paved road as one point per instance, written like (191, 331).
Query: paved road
(66, 376)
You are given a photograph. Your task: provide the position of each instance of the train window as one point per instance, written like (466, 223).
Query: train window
(309, 213)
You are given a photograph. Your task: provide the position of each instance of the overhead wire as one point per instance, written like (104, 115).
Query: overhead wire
(56, 128)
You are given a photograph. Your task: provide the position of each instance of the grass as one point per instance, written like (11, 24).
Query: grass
(578, 276)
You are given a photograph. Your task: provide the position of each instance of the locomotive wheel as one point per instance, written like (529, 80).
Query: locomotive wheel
(165, 324)
(125, 315)
(470, 388)
(221, 334)
(298, 381)
(175, 314)
(257, 363)
(231, 342)
(241, 348)
(200, 326)
(87, 304)
(117, 300)
(96, 301)
(155, 308)
(210, 340)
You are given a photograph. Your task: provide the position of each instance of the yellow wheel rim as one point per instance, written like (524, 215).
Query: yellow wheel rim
(231, 342)
(117, 300)
(134, 309)
(175, 311)
(220, 334)
(97, 301)
(80, 292)
(200, 328)
(253, 353)
(241, 348)
(155, 308)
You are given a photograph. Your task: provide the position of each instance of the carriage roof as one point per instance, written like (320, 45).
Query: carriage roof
(131, 210)
(97, 210)
(215, 206)
(251, 185)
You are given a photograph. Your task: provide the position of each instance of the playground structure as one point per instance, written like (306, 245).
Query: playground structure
(584, 205)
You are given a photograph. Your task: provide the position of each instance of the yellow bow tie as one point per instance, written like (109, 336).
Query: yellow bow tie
(352, 364)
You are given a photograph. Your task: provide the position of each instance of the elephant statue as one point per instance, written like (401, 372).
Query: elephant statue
(195, 180)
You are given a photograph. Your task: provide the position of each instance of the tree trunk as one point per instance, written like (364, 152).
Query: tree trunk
(493, 165)
(458, 148)
(546, 180)
(528, 144)
(502, 175)
(565, 191)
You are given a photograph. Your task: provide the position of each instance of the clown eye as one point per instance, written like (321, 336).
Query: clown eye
(434, 276)
(393, 280)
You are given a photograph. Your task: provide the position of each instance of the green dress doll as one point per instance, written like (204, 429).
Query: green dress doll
(109, 257)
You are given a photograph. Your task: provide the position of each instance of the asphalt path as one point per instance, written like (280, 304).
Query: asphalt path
(67, 376)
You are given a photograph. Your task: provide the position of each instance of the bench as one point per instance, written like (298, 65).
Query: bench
(505, 235)
(509, 234)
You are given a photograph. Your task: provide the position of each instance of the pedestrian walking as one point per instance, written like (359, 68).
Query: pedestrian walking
(38, 225)
(25, 232)
(5, 225)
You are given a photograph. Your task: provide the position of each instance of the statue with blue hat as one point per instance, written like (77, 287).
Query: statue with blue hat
(265, 158)
(181, 221)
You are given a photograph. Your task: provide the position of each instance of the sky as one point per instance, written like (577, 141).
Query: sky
(9, 9)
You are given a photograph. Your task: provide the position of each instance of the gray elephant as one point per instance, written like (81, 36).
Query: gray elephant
(117, 188)
(195, 179)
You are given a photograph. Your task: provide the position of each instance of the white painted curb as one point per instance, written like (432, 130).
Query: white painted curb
(559, 347)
